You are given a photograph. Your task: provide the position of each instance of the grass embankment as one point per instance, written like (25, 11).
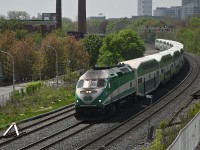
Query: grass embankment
(165, 134)
(35, 102)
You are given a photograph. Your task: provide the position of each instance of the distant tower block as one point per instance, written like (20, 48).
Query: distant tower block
(82, 16)
(58, 14)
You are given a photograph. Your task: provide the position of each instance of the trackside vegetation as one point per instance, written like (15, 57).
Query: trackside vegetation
(37, 98)
(165, 134)
(75, 54)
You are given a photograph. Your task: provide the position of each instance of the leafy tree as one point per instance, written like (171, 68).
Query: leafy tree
(10, 25)
(131, 45)
(92, 44)
(2, 17)
(58, 33)
(22, 51)
(120, 46)
(50, 45)
(22, 15)
(20, 34)
(37, 37)
(190, 34)
(68, 25)
(102, 27)
(7, 39)
(96, 26)
(194, 23)
(75, 56)
(117, 25)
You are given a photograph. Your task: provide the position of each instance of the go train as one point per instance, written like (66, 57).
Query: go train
(104, 89)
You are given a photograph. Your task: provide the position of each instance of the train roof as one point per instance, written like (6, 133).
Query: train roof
(135, 63)
(173, 50)
(106, 72)
(95, 74)
(158, 56)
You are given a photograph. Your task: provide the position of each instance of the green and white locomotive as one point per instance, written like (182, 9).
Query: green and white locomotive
(101, 90)
(105, 89)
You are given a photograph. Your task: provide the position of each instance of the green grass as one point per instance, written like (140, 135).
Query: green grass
(41, 101)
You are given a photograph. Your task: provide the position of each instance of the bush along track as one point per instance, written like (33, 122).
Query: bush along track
(34, 100)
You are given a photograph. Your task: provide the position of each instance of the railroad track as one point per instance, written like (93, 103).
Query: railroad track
(119, 131)
(30, 126)
(107, 136)
(57, 137)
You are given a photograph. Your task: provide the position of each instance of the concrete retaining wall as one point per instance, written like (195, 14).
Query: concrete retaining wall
(189, 137)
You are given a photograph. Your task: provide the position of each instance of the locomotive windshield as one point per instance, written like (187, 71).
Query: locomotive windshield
(94, 83)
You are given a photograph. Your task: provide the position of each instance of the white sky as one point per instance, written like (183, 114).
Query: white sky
(109, 8)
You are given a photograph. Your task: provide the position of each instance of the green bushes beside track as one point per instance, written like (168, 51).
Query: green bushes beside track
(33, 86)
(37, 99)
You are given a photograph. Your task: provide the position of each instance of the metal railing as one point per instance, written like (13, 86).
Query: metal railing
(4, 98)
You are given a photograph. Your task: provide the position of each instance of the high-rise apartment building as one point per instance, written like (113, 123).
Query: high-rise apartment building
(144, 7)
(191, 9)
(186, 2)
(173, 12)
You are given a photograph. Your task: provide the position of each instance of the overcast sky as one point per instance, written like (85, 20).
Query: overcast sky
(109, 8)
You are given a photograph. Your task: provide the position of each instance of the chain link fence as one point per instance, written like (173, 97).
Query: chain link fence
(4, 98)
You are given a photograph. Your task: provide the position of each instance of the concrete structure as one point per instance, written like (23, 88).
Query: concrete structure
(173, 12)
(97, 18)
(82, 16)
(160, 11)
(188, 8)
(191, 9)
(144, 7)
(186, 2)
(49, 16)
(189, 137)
(58, 14)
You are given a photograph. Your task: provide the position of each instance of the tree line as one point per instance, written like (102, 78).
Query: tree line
(34, 54)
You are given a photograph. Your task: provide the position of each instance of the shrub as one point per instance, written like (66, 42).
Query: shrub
(33, 86)
(163, 124)
(157, 142)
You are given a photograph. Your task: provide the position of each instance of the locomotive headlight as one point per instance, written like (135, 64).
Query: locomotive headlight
(82, 92)
(88, 92)
(77, 100)
(99, 101)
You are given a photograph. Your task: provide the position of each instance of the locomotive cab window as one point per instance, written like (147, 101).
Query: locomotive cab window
(101, 83)
(80, 84)
(91, 83)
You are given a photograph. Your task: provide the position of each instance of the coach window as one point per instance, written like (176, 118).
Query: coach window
(162, 70)
(139, 80)
(157, 73)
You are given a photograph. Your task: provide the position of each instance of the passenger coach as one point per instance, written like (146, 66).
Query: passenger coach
(147, 74)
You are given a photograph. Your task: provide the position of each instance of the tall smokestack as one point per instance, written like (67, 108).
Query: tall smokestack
(82, 16)
(58, 14)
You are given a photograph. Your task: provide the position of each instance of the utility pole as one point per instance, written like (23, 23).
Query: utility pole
(13, 70)
(56, 61)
